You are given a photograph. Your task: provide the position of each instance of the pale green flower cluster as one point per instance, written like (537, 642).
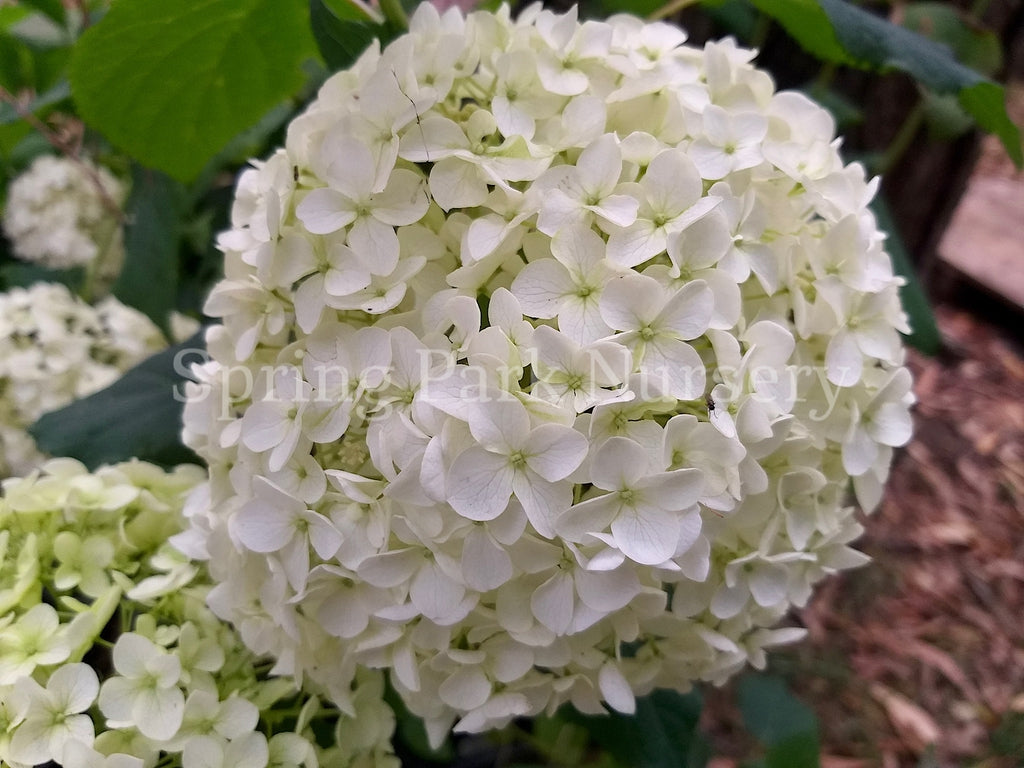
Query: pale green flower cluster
(55, 348)
(110, 658)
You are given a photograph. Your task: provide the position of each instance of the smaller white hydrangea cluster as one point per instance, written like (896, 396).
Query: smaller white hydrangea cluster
(63, 213)
(85, 559)
(55, 348)
(548, 353)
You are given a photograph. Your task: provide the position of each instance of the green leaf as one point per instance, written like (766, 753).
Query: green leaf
(884, 45)
(15, 66)
(944, 116)
(149, 277)
(139, 415)
(22, 275)
(782, 723)
(13, 138)
(972, 45)
(341, 40)
(21, 145)
(12, 14)
(924, 332)
(841, 33)
(986, 102)
(172, 82)
(662, 734)
(807, 23)
(249, 143)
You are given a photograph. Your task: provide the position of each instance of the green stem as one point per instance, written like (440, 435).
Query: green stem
(825, 76)
(671, 9)
(902, 141)
(394, 13)
(761, 30)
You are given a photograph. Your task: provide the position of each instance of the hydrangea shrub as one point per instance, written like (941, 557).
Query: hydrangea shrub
(110, 657)
(65, 212)
(55, 348)
(548, 352)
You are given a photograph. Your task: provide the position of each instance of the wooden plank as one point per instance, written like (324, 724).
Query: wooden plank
(985, 239)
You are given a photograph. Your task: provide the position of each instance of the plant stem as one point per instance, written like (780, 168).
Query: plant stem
(83, 8)
(902, 141)
(70, 149)
(671, 9)
(394, 13)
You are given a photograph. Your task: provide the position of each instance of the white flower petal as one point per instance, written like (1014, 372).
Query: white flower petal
(485, 565)
(467, 689)
(542, 501)
(844, 360)
(324, 211)
(375, 244)
(435, 595)
(157, 713)
(646, 534)
(552, 603)
(479, 484)
(74, 686)
(615, 689)
(554, 452)
(132, 653)
(541, 287)
(769, 584)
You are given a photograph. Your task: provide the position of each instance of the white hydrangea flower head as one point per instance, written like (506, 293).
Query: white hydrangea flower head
(548, 351)
(55, 348)
(65, 212)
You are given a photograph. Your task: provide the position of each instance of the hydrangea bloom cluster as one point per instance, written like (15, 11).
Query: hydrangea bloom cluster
(85, 561)
(548, 352)
(64, 213)
(55, 348)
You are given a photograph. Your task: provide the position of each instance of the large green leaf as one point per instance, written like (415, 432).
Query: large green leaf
(149, 278)
(662, 734)
(838, 32)
(173, 82)
(783, 724)
(341, 37)
(139, 415)
(807, 22)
